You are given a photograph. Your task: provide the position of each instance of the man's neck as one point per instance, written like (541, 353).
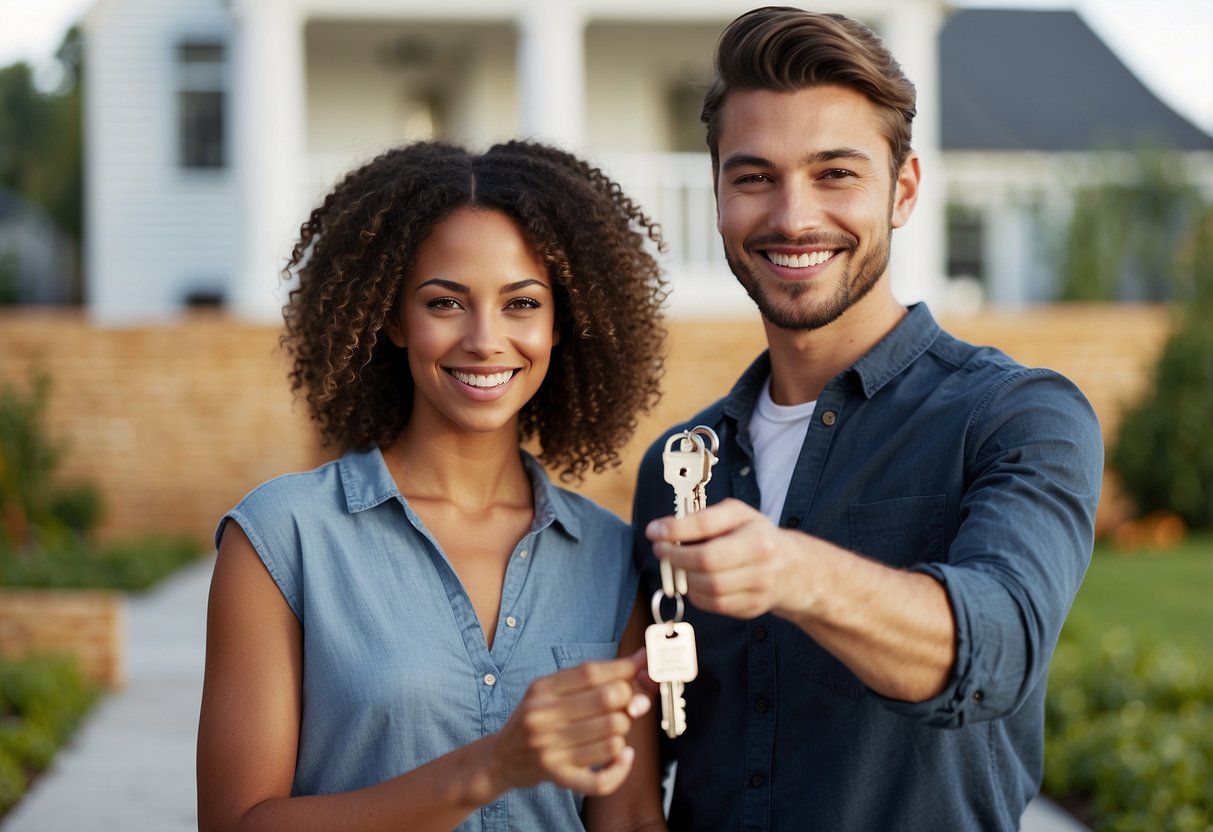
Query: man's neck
(803, 362)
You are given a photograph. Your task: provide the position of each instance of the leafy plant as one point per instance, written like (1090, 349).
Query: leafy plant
(42, 700)
(1129, 731)
(1162, 451)
(34, 508)
(1122, 232)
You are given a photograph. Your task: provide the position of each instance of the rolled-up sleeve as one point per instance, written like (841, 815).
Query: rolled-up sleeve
(1034, 465)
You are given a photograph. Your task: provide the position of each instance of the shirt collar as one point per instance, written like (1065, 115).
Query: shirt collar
(368, 482)
(912, 336)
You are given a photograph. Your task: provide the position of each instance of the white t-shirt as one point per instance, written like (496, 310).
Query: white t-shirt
(777, 432)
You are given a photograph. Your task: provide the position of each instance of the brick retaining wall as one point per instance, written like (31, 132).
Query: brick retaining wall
(83, 623)
(176, 422)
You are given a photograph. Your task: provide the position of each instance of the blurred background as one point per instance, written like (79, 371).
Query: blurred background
(157, 158)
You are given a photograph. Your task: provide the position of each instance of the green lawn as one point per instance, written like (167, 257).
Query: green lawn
(1164, 595)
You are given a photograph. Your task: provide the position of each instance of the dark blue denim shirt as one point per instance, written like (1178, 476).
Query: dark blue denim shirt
(928, 454)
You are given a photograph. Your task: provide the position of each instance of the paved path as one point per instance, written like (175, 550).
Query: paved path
(130, 768)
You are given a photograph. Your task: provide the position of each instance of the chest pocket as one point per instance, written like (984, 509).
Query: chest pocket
(899, 532)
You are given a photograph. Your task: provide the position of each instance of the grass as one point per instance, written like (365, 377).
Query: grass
(1165, 595)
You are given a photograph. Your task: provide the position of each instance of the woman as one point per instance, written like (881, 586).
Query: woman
(399, 638)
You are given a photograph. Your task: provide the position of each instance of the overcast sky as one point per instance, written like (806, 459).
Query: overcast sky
(1167, 43)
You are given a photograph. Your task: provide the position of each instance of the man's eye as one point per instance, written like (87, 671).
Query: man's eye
(837, 173)
(752, 179)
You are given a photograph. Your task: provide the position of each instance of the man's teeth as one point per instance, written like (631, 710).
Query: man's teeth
(799, 261)
(480, 380)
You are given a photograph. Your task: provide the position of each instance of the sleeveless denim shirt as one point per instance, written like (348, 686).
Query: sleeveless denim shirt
(396, 671)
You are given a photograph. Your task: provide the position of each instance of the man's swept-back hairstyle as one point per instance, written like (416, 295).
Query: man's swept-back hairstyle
(785, 49)
(357, 248)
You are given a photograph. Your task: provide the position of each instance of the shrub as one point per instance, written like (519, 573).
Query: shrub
(34, 508)
(1162, 452)
(1129, 731)
(42, 700)
(45, 526)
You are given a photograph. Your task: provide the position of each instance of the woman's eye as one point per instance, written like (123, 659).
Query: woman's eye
(442, 303)
(524, 303)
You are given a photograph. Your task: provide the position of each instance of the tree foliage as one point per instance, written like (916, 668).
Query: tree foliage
(41, 138)
(1163, 451)
(1122, 232)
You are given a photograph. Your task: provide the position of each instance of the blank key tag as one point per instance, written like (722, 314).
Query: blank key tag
(671, 652)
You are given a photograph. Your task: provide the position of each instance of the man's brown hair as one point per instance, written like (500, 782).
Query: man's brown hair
(786, 49)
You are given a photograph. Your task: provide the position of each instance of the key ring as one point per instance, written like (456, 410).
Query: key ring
(679, 608)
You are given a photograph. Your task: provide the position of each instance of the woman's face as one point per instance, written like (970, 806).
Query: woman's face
(477, 316)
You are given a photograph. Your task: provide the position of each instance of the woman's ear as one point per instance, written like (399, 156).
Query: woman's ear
(395, 332)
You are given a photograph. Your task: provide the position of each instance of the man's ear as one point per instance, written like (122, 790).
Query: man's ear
(905, 193)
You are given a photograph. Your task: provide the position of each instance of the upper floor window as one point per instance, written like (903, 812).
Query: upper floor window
(201, 105)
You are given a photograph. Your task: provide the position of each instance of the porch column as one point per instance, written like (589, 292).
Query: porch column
(268, 129)
(551, 70)
(919, 262)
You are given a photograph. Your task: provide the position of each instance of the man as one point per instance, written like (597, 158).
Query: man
(899, 521)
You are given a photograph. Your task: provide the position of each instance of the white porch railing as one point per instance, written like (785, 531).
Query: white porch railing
(675, 190)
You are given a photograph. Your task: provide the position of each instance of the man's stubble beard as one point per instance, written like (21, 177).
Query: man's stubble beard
(858, 278)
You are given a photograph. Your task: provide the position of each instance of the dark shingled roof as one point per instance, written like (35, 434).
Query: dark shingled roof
(1042, 80)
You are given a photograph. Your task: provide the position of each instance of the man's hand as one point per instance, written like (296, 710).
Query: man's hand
(738, 562)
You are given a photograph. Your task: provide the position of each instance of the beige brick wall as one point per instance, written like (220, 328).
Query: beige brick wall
(83, 623)
(177, 422)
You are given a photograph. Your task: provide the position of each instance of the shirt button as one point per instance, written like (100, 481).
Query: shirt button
(490, 679)
(756, 781)
(978, 697)
(745, 471)
(829, 417)
(793, 522)
(761, 705)
(760, 633)
(511, 621)
(523, 553)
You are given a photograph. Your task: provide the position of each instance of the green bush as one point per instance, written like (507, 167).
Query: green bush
(35, 509)
(42, 700)
(1129, 732)
(70, 563)
(1162, 451)
(46, 526)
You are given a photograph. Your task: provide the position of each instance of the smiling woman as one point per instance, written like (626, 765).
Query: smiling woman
(449, 306)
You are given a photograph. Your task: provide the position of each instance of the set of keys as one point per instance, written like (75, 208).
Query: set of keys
(688, 458)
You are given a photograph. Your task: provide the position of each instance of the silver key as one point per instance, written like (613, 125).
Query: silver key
(704, 432)
(684, 467)
(672, 663)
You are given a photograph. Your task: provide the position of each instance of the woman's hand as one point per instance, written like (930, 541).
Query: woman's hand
(571, 729)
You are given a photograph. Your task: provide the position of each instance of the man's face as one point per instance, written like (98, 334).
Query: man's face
(806, 202)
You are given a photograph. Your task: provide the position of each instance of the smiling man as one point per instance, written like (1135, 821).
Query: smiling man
(899, 521)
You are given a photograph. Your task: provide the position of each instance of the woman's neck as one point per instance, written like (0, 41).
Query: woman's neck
(472, 471)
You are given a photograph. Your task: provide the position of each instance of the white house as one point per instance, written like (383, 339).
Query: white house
(215, 125)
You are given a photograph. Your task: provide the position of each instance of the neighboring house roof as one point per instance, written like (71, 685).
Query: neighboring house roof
(1042, 80)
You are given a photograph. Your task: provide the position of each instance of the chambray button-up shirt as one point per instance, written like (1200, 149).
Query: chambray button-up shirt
(928, 454)
(396, 670)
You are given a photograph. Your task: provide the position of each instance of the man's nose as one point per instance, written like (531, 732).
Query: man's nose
(795, 210)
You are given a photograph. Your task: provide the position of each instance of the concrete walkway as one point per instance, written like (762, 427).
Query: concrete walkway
(130, 768)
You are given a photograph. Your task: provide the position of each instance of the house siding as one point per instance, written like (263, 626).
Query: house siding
(155, 231)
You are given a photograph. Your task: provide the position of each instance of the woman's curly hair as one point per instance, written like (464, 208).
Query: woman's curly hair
(356, 249)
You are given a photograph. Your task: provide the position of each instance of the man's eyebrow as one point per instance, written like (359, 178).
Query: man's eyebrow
(837, 153)
(745, 160)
